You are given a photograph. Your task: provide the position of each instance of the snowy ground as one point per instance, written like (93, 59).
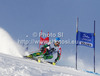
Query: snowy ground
(16, 66)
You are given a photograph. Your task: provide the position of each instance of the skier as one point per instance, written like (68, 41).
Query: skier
(48, 50)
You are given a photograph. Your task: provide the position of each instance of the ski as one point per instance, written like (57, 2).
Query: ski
(30, 58)
(53, 63)
(39, 59)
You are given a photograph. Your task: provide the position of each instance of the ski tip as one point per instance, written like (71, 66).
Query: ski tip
(25, 57)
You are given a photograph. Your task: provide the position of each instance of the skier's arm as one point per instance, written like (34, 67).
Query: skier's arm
(58, 55)
(43, 48)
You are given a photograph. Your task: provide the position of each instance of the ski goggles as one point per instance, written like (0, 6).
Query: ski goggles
(57, 42)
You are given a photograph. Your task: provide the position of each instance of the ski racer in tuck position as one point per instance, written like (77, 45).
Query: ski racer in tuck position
(48, 50)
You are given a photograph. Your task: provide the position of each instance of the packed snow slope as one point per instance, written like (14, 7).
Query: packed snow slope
(15, 66)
